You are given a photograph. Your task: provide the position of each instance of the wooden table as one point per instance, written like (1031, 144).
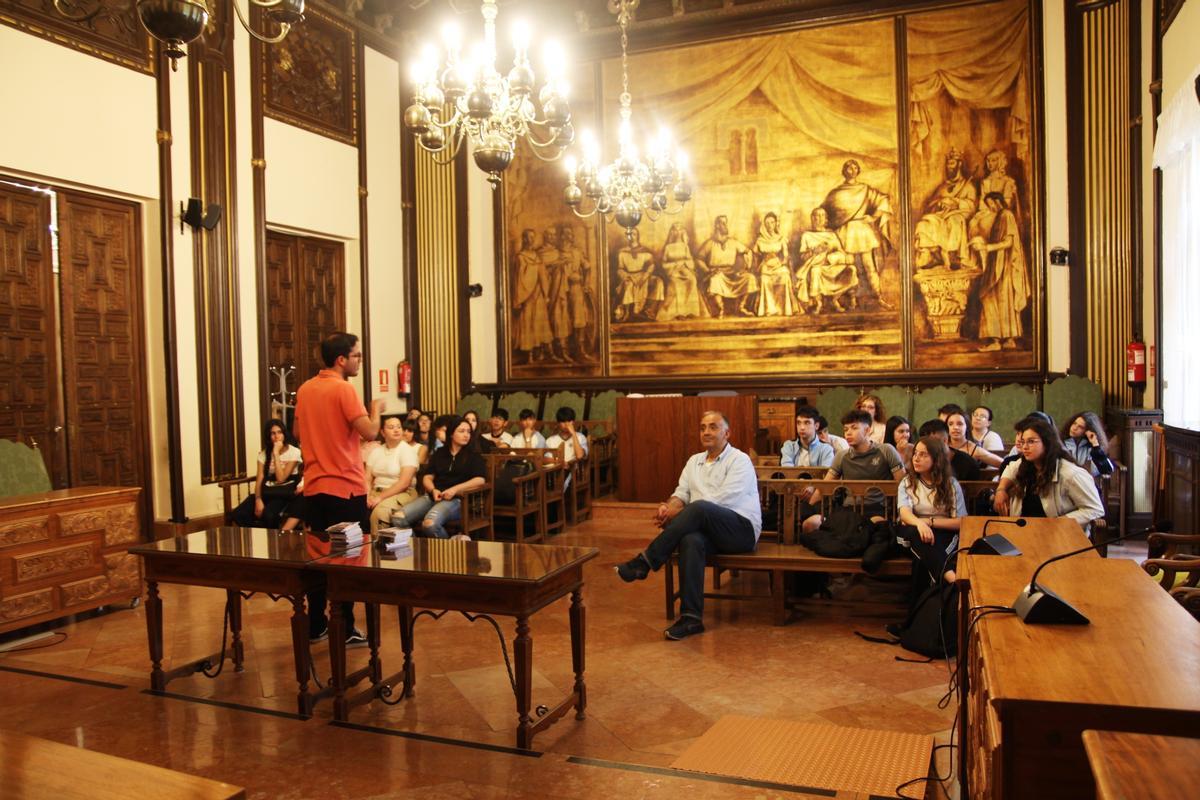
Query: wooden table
(236, 560)
(38, 769)
(1140, 766)
(477, 578)
(1029, 691)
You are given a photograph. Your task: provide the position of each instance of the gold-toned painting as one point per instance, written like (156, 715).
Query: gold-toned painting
(552, 263)
(971, 159)
(844, 220)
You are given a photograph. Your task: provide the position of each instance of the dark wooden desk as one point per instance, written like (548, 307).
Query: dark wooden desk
(1140, 766)
(236, 560)
(38, 769)
(502, 578)
(1029, 691)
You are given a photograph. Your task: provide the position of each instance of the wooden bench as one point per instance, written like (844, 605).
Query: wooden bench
(788, 554)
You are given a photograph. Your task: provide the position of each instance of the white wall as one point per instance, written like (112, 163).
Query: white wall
(385, 219)
(1181, 51)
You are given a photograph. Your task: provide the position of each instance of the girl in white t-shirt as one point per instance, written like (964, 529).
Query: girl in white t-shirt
(391, 471)
(275, 485)
(930, 500)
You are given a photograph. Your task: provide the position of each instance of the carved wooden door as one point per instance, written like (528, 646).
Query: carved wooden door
(306, 301)
(29, 395)
(101, 289)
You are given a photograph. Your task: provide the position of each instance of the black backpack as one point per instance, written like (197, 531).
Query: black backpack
(932, 625)
(504, 492)
(843, 534)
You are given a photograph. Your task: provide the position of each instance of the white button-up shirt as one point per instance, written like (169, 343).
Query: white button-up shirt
(728, 481)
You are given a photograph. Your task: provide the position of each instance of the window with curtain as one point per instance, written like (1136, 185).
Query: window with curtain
(1177, 154)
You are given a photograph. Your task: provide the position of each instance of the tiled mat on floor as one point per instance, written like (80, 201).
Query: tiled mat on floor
(810, 754)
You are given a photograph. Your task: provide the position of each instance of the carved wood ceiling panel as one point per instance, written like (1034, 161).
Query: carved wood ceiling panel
(310, 79)
(109, 30)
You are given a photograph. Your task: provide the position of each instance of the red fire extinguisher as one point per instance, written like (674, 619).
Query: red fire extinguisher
(1135, 363)
(404, 377)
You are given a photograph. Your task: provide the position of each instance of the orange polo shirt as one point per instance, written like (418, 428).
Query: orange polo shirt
(326, 407)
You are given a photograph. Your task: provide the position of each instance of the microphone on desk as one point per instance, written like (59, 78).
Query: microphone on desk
(1037, 605)
(996, 544)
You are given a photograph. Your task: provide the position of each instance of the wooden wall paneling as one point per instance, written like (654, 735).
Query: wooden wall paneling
(311, 78)
(110, 31)
(282, 305)
(102, 340)
(211, 83)
(29, 395)
(322, 303)
(166, 221)
(1179, 494)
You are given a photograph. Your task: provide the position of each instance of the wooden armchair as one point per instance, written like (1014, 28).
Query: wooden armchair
(604, 463)
(579, 491)
(553, 469)
(527, 504)
(1180, 572)
(476, 519)
(233, 492)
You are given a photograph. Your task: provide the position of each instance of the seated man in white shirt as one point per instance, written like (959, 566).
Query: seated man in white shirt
(528, 436)
(714, 509)
(496, 434)
(574, 443)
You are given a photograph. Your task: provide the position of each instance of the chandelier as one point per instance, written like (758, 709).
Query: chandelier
(630, 187)
(179, 22)
(469, 100)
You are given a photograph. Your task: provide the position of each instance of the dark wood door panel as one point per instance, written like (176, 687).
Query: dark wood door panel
(29, 395)
(101, 289)
(324, 297)
(282, 264)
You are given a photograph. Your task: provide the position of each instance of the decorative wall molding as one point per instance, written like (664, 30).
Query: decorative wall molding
(310, 79)
(113, 34)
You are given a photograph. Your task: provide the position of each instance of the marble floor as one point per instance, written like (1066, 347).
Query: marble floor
(648, 698)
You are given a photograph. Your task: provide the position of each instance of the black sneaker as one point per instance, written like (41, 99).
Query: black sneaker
(355, 639)
(320, 637)
(635, 569)
(894, 628)
(683, 628)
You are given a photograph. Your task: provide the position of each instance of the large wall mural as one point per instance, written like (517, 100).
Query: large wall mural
(844, 220)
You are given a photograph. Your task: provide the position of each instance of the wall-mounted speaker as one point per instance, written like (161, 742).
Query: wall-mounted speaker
(194, 214)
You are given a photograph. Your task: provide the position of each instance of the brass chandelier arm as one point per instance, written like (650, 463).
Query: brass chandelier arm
(283, 26)
(86, 16)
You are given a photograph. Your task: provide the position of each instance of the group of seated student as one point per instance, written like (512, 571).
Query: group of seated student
(1044, 477)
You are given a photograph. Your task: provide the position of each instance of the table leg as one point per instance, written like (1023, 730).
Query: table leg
(235, 628)
(965, 757)
(406, 643)
(373, 628)
(301, 654)
(337, 661)
(523, 656)
(577, 645)
(669, 587)
(154, 633)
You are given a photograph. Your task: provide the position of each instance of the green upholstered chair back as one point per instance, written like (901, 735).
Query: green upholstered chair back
(833, 403)
(22, 470)
(481, 404)
(1069, 395)
(558, 400)
(1008, 404)
(927, 402)
(513, 402)
(897, 400)
(604, 406)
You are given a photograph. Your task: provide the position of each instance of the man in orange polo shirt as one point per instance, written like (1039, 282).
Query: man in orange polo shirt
(332, 423)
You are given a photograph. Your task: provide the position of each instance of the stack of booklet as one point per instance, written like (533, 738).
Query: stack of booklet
(393, 538)
(345, 534)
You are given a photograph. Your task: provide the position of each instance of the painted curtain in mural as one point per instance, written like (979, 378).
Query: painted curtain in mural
(827, 233)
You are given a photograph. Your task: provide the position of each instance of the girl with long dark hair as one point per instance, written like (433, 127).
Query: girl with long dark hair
(279, 464)
(1086, 443)
(451, 469)
(1045, 482)
(874, 406)
(898, 433)
(930, 501)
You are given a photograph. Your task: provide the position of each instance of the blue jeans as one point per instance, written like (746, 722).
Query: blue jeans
(432, 516)
(700, 529)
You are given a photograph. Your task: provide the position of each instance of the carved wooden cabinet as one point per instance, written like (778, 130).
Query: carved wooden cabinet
(778, 419)
(64, 551)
